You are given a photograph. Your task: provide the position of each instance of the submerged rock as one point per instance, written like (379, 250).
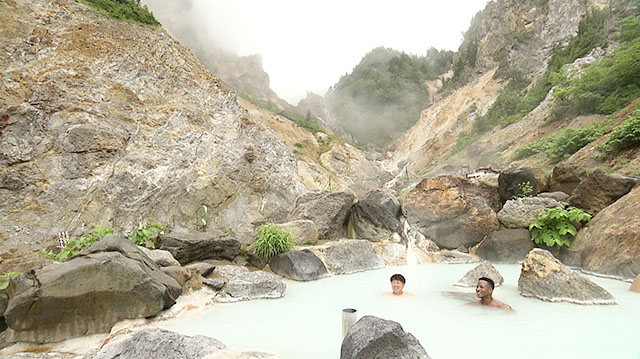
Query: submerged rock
(299, 265)
(545, 278)
(350, 256)
(110, 281)
(484, 269)
(245, 285)
(372, 338)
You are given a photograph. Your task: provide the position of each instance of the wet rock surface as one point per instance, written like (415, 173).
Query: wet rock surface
(485, 269)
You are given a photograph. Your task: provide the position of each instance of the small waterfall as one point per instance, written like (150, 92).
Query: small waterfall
(418, 251)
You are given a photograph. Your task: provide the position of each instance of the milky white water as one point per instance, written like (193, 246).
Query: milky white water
(306, 323)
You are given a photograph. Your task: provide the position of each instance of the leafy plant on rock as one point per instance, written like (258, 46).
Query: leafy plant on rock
(146, 234)
(556, 226)
(526, 190)
(4, 279)
(271, 240)
(624, 136)
(73, 246)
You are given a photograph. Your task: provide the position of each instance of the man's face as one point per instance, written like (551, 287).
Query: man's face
(397, 286)
(483, 289)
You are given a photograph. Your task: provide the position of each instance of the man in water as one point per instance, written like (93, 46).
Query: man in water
(484, 291)
(397, 286)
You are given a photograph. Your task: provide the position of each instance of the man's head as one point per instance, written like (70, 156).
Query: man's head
(484, 287)
(397, 283)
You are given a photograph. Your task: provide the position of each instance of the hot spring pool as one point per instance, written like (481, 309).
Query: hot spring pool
(307, 322)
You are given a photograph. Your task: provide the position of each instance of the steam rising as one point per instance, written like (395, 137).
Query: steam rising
(307, 46)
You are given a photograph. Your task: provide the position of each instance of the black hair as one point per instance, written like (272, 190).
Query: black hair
(488, 280)
(397, 277)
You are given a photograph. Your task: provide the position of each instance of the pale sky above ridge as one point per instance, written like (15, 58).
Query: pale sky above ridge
(308, 45)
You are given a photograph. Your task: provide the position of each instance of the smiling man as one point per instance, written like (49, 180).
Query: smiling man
(397, 286)
(484, 291)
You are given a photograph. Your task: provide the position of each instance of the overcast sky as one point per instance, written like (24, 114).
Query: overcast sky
(308, 45)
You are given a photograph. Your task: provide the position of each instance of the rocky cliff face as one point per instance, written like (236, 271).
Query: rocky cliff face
(108, 123)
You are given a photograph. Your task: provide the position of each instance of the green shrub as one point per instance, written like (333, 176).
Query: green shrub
(146, 234)
(555, 226)
(624, 136)
(271, 240)
(127, 10)
(4, 279)
(76, 245)
(526, 190)
(562, 144)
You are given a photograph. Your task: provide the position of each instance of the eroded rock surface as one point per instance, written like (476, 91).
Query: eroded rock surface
(545, 278)
(245, 285)
(374, 217)
(191, 247)
(350, 256)
(506, 246)
(299, 265)
(372, 337)
(600, 189)
(520, 212)
(329, 212)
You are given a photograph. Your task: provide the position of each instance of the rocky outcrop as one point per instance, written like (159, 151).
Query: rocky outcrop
(159, 344)
(374, 217)
(188, 278)
(349, 256)
(545, 278)
(204, 268)
(608, 244)
(484, 269)
(329, 212)
(160, 257)
(303, 231)
(520, 212)
(566, 177)
(122, 124)
(110, 281)
(393, 254)
(451, 211)
(446, 256)
(600, 189)
(372, 337)
(299, 265)
(191, 247)
(245, 285)
(506, 246)
(511, 182)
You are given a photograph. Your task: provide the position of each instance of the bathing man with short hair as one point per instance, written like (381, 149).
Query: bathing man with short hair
(397, 286)
(484, 291)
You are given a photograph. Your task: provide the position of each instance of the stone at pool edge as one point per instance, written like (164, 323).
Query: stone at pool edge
(245, 285)
(544, 277)
(373, 337)
(59, 301)
(484, 269)
(348, 256)
(301, 265)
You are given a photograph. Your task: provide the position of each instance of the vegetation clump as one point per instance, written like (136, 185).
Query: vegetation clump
(624, 136)
(556, 226)
(126, 10)
(72, 246)
(4, 279)
(146, 234)
(385, 93)
(271, 240)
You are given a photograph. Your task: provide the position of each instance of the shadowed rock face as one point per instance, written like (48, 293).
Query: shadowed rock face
(372, 337)
(545, 278)
(608, 244)
(374, 217)
(191, 247)
(299, 265)
(451, 211)
(107, 122)
(600, 189)
(329, 212)
(506, 246)
(110, 281)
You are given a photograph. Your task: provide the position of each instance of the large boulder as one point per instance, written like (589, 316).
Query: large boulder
(375, 338)
(158, 344)
(349, 256)
(511, 180)
(299, 265)
(520, 212)
(87, 294)
(484, 269)
(374, 217)
(302, 231)
(545, 278)
(451, 211)
(566, 176)
(329, 211)
(393, 254)
(609, 243)
(600, 189)
(191, 247)
(245, 285)
(506, 246)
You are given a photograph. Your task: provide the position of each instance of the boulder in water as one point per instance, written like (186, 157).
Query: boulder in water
(484, 269)
(350, 256)
(245, 285)
(299, 265)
